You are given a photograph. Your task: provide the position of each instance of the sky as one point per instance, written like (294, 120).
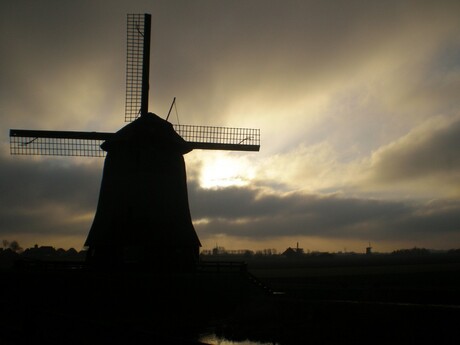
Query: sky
(357, 103)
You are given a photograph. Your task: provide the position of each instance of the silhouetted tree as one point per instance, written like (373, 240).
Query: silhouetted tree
(414, 251)
(15, 247)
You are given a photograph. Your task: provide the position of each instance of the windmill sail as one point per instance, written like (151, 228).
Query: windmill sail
(57, 143)
(220, 138)
(137, 66)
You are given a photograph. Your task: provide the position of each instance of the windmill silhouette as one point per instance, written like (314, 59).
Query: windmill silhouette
(143, 214)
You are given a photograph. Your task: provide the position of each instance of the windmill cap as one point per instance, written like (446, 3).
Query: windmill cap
(148, 131)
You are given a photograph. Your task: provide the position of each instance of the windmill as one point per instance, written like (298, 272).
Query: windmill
(143, 214)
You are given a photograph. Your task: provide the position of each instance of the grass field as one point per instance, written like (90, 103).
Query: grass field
(425, 280)
(353, 300)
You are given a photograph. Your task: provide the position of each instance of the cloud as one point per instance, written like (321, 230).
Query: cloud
(426, 159)
(251, 213)
(310, 168)
(47, 196)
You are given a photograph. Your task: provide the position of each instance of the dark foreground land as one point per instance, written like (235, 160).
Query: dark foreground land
(380, 299)
(322, 300)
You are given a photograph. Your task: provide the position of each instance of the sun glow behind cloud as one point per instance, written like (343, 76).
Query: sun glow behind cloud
(220, 170)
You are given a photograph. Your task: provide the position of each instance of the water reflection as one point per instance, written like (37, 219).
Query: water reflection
(212, 339)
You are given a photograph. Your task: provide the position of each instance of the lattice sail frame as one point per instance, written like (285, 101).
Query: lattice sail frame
(57, 143)
(220, 138)
(137, 65)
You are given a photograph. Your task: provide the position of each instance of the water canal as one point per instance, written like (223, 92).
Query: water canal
(213, 339)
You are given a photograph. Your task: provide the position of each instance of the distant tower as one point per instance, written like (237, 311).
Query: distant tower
(369, 249)
(298, 250)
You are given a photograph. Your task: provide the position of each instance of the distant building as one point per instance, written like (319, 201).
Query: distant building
(218, 250)
(369, 250)
(40, 252)
(293, 252)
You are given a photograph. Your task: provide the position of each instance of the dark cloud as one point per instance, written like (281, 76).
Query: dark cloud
(248, 213)
(429, 220)
(426, 153)
(46, 197)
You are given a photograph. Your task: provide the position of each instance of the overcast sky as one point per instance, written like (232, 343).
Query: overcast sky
(357, 102)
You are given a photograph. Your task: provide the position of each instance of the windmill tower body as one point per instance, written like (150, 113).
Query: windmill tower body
(143, 214)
